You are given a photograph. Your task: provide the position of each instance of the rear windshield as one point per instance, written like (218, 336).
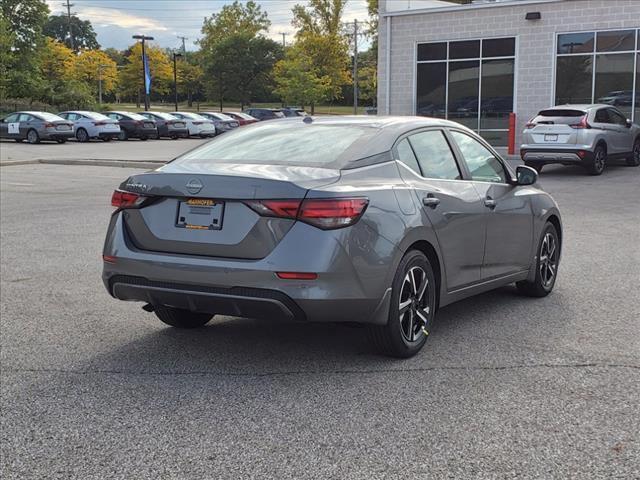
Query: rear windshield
(564, 117)
(135, 116)
(95, 115)
(222, 116)
(49, 117)
(164, 116)
(285, 144)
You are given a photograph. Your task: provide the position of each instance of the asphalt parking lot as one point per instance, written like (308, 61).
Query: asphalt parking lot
(95, 150)
(507, 387)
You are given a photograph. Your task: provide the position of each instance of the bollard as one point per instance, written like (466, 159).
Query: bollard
(512, 134)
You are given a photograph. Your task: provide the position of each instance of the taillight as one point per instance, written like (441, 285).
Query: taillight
(198, 123)
(324, 213)
(582, 124)
(139, 122)
(49, 125)
(530, 124)
(99, 124)
(121, 199)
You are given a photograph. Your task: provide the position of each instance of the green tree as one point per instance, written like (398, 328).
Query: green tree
(26, 20)
(21, 23)
(240, 65)
(83, 35)
(319, 39)
(237, 18)
(116, 55)
(297, 81)
(161, 68)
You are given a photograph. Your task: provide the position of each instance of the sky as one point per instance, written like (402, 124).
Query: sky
(115, 21)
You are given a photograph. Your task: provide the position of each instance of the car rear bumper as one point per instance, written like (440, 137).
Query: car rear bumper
(565, 156)
(113, 134)
(251, 288)
(177, 132)
(57, 135)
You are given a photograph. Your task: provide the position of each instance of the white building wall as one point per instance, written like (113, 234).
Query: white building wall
(535, 54)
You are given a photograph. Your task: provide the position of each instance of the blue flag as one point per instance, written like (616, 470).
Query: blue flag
(147, 75)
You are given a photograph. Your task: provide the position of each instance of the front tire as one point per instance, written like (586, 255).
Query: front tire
(547, 261)
(634, 159)
(412, 308)
(123, 135)
(61, 140)
(178, 318)
(596, 165)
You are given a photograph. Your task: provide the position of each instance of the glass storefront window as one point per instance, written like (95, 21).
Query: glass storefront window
(464, 79)
(432, 89)
(598, 67)
(455, 81)
(573, 79)
(496, 93)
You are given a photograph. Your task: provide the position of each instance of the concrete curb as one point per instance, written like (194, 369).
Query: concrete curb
(94, 163)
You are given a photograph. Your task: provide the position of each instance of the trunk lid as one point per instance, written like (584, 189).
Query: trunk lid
(556, 127)
(198, 208)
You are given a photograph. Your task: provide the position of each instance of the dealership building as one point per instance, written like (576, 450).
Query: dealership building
(477, 61)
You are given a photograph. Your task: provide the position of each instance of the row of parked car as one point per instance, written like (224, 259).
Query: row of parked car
(122, 125)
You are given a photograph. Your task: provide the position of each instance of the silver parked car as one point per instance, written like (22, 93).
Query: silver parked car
(35, 126)
(377, 221)
(88, 125)
(587, 135)
(222, 122)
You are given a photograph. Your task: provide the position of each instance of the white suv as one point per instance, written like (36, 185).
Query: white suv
(588, 135)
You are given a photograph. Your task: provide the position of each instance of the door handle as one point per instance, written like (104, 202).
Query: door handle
(490, 203)
(431, 201)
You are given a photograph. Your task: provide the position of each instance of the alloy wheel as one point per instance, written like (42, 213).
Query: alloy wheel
(548, 260)
(414, 305)
(32, 136)
(598, 161)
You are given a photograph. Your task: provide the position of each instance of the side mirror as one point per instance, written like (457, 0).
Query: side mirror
(526, 175)
(629, 123)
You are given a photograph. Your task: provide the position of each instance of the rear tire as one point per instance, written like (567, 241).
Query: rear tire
(597, 163)
(106, 139)
(178, 318)
(536, 166)
(61, 140)
(411, 311)
(144, 139)
(547, 262)
(33, 137)
(82, 135)
(634, 159)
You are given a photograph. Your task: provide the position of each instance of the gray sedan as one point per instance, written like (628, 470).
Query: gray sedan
(379, 221)
(35, 126)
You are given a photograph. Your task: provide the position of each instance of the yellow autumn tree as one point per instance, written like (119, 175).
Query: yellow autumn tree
(56, 60)
(161, 68)
(92, 65)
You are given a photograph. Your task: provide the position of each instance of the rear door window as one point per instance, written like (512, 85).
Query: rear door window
(434, 155)
(602, 116)
(11, 118)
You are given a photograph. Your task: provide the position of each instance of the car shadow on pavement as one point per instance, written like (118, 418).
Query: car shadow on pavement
(233, 346)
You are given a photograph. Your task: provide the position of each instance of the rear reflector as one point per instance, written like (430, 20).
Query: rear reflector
(122, 199)
(324, 213)
(108, 259)
(297, 275)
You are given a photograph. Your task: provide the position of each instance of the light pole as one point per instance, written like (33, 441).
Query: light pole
(100, 67)
(175, 78)
(142, 38)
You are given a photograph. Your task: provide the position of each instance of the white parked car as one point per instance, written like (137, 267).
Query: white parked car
(88, 125)
(197, 124)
